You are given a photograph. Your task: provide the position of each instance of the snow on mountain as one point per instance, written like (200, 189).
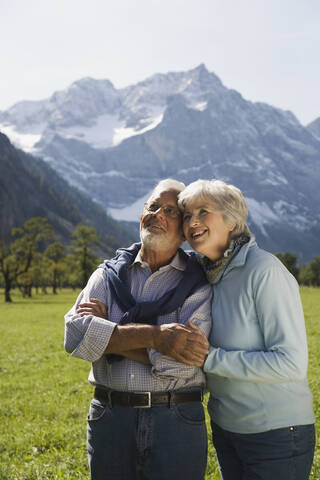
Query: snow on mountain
(131, 213)
(115, 144)
(95, 112)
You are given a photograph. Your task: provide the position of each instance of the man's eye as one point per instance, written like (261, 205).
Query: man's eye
(203, 211)
(153, 207)
(169, 210)
(186, 218)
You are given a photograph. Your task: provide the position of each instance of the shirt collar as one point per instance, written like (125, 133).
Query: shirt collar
(178, 262)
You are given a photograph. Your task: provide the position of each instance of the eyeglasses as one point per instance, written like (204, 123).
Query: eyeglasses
(168, 210)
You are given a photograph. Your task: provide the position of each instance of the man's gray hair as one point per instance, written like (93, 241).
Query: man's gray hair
(167, 184)
(226, 198)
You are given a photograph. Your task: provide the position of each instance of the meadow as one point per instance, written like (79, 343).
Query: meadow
(45, 395)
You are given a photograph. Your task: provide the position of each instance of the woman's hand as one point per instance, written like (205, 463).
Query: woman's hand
(94, 307)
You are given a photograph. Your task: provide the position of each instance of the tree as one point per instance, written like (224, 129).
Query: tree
(8, 268)
(315, 269)
(310, 274)
(82, 257)
(290, 262)
(33, 235)
(305, 275)
(56, 268)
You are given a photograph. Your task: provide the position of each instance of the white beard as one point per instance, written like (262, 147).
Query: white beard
(154, 241)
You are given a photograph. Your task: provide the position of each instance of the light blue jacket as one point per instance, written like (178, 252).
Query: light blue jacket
(257, 366)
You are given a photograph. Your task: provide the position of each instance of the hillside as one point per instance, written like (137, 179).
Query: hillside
(29, 187)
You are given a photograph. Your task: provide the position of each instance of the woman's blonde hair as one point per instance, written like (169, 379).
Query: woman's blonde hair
(226, 199)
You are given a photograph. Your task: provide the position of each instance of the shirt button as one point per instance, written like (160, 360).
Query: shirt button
(291, 428)
(131, 375)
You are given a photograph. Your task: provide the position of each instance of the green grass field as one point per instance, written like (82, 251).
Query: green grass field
(45, 394)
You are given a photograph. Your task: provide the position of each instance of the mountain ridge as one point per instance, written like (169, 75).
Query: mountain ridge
(185, 125)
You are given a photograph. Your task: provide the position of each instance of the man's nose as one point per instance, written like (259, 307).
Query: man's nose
(159, 213)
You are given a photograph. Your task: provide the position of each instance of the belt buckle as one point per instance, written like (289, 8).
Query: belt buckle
(149, 400)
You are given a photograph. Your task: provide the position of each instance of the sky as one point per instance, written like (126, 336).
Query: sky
(268, 50)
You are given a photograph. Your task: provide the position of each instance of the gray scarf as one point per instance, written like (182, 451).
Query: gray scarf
(213, 268)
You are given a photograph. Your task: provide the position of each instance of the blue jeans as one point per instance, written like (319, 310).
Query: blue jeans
(281, 454)
(158, 443)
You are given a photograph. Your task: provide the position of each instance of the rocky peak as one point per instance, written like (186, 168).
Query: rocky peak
(314, 127)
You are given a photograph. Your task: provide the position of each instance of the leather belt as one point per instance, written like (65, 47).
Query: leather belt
(146, 399)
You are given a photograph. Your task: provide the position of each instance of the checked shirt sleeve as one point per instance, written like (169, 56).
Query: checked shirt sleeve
(87, 337)
(196, 308)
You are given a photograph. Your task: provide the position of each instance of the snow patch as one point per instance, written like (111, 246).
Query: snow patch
(122, 133)
(261, 214)
(201, 106)
(110, 173)
(184, 171)
(275, 179)
(99, 135)
(284, 208)
(24, 141)
(131, 213)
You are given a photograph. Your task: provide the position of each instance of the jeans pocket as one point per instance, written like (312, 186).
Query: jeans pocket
(97, 411)
(190, 412)
(303, 438)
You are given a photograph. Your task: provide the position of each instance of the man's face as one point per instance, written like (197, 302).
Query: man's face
(160, 225)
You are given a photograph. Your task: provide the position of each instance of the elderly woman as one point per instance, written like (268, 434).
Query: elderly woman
(260, 403)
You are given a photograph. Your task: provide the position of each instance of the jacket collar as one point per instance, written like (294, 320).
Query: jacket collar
(239, 259)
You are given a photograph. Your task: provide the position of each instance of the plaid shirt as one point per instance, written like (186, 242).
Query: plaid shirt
(87, 337)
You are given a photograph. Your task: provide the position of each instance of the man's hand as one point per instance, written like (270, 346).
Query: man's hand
(188, 345)
(94, 307)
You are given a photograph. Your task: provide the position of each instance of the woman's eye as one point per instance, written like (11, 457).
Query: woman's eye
(203, 211)
(186, 218)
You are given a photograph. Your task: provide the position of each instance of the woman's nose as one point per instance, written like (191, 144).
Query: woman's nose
(194, 220)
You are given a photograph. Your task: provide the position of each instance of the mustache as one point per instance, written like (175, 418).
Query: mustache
(152, 223)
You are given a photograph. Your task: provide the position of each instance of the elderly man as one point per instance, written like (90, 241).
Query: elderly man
(146, 420)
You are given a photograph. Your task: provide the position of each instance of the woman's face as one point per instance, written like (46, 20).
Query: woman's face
(206, 230)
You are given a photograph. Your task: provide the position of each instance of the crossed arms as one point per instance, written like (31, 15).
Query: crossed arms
(186, 344)
(89, 334)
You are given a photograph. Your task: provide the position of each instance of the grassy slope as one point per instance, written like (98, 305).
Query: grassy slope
(45, 395)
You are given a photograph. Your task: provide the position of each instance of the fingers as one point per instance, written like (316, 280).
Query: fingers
(190, 358)
(98, 302)
(86, 311)
(198, 335)
(94, 307)
(86, 305)
(194, 327)
(198, 342)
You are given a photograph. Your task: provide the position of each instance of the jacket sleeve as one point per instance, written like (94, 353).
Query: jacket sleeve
(87, 337)
(280, 316)
(197, 308)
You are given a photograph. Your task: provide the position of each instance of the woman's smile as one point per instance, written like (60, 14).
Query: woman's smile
(206, 229)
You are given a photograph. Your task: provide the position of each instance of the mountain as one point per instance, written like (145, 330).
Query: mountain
(30, 188)
(314, 127)
(115, 144)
